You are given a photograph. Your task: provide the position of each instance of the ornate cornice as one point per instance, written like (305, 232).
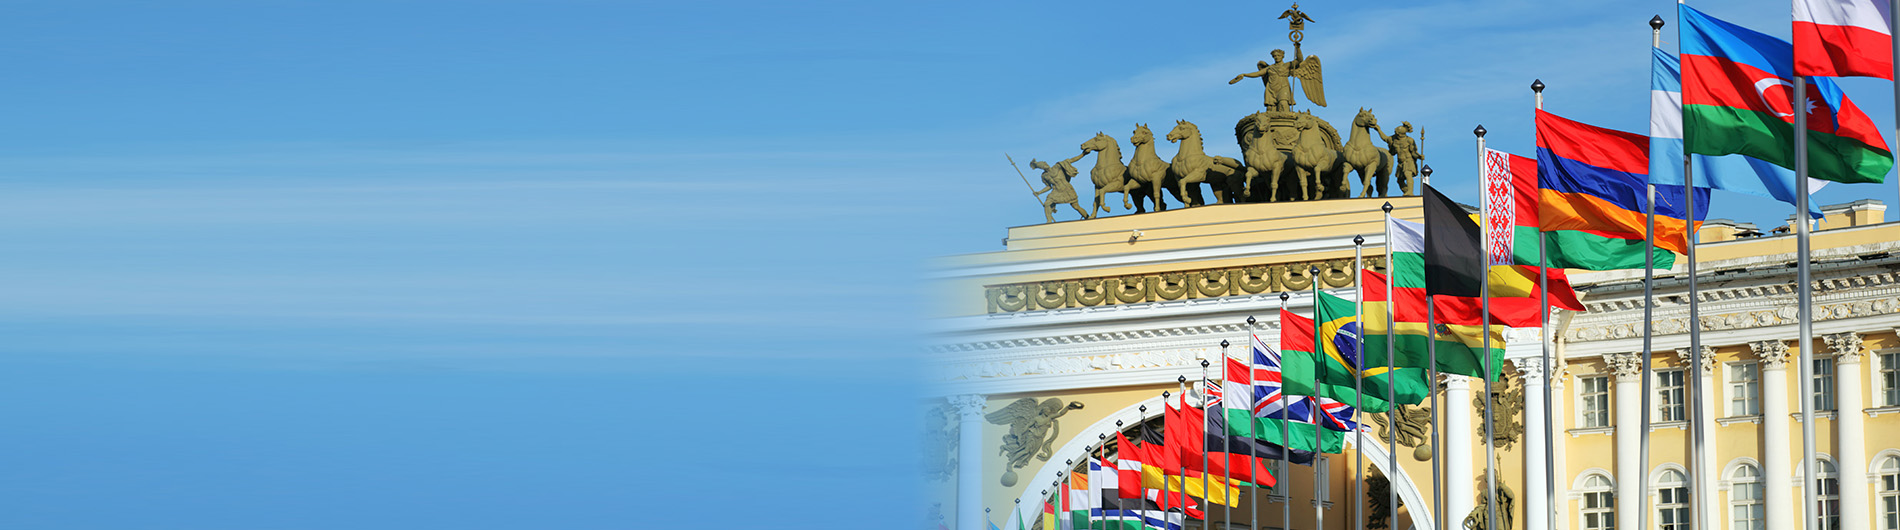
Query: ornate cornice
(1624, 365)
(1708, 358)
(1178, 285)
(1740, 300)
(1773, 353)
(1846, 347)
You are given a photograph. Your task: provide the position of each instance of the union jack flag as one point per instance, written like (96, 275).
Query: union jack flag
(1267, 387)
(1211, 393)
(1338, 416)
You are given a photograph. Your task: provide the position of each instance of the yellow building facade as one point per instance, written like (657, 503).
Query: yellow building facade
(1102, 316)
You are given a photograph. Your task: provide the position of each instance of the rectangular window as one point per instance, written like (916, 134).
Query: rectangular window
(1669, 396)
(1594, 400)
(1823, 384)
(1745, 506)
(1744, 389)
(1890, 379)
(1672, 508)
(1599, 510)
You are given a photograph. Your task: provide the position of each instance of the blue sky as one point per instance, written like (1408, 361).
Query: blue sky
(585, 264)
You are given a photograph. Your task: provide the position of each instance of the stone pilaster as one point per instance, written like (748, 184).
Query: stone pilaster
(1459, 482)
(1628, 369)
(1536, 504)
(1775, 455)
(969, 410)
(1850, 438)
(1709, 471)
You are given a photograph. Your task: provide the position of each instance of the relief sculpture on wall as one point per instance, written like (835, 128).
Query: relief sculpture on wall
(1032, 432)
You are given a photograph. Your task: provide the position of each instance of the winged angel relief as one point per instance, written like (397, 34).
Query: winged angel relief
(1032, 432)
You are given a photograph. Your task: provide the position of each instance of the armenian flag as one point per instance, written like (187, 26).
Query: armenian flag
(1597, 179)
(1737, 89)
(1511, 209)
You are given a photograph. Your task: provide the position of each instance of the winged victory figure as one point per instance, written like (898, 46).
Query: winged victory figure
(1032, 432)
(1278, 77)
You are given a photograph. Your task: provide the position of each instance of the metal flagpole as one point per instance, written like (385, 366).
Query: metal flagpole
(1359, 385)
(1120, 451)
(1227, 453)
(1207, 479)
(1543, 342)
(1319, 488)
(1391, 383)
(1253, 494)
(1431, 355)
(1102, 441)
(1484, 298)
(1141, 437)
(1184, 483)
(1804, 299)
(1055, 503)
(1649, 311)
(1167, 481)
(1893, 28)
(1286, 437)
(1698, 443)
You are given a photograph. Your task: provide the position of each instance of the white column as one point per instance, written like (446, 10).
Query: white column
(1628, 368)
(1536, 506)
(1850, 440)
(1711, 474)
(1777, 471)
(969, 408)
(1460, 487)
(1560, 419)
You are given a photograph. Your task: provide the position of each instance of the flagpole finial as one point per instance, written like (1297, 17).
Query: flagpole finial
(1426, 171)
(1164, 394)
(1479, 131)
(1250, 319)
(1182, 379)
(1537, 85)
(1204, 363)
(1388, 206)
(1100, 436)
(1358, 240)
(1069, 462)
(1020, 501)
(1656, 22)
(1144, 408)
(1224, 344)
(1284, 296)
(1313, 270)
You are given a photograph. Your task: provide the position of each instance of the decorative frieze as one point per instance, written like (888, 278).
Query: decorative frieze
(1209, 283)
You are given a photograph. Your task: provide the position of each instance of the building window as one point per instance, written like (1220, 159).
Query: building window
(1672, 500)
(1599, 503)
(1669, 396)
(1595, 401)
(1745, 499)
(1827, 491)
(1890, 379)
(1744, 389)
(1823, 384)
(1890, 493)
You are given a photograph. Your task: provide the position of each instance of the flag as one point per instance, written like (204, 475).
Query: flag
(1186, 437)
(1337, 416)
(1160, 473)
(1596, 179)
(1079, 502)
(1454, 257)
(1267, 389)
(1127, 468)
(1736, 173)
(1511, 202)
(1842, 38)
(1406, 374)
(1406, 241)
(1736, 91)
(1298, 365)
(1231, 449)
(1049, 511)
(1459, 344)
(1064, 520)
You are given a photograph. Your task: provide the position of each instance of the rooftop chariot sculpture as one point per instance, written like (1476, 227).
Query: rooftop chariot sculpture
(1285, 154)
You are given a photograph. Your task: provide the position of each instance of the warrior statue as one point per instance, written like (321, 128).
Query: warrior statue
(1480, 514)
(1405, 155)
(1055, 181)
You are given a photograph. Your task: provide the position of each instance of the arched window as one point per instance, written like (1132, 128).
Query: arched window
(1745, 499)
(1672, 501)
(1599, 503)
(1827, 491)
(1890, 493)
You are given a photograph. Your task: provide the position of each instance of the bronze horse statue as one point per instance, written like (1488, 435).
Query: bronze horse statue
(1192, 165)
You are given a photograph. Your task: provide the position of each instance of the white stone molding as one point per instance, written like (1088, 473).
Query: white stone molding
(1846, 347)
(968, 406)
(1708, 358)
(1656, 472)
(1773, 353)
(1728, 470)
(1576, 484)
(1625, 365)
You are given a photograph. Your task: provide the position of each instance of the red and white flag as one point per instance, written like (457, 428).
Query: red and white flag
(1840, 38)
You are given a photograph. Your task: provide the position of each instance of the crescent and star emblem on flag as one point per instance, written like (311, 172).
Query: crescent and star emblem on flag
(1776, 105)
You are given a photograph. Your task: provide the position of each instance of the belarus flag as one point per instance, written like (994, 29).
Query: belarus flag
(1839, 38)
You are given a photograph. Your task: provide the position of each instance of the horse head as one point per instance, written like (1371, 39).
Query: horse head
(1365, 119)
(1182, 131)
(1141, 135)
(1101, 142)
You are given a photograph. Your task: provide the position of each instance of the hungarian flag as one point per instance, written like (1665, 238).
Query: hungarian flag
(1511, 205)
(1299, 366)
(1842, 38)
(1737, 87)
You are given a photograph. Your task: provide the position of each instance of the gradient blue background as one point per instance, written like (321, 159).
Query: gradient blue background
(578, 264)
